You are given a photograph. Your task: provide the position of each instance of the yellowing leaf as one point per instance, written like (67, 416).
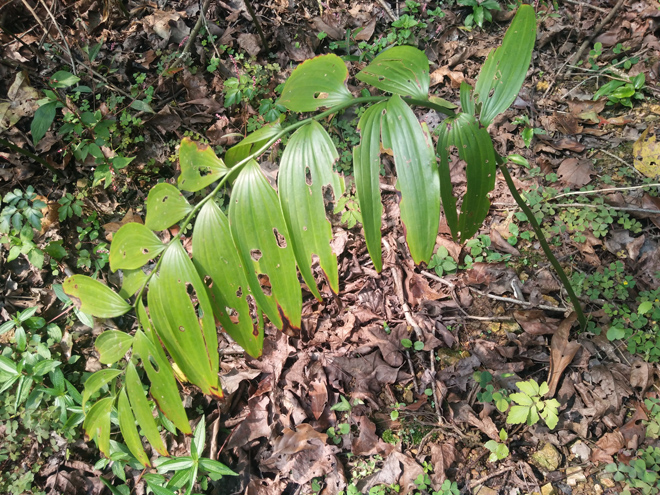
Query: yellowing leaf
(646, 151)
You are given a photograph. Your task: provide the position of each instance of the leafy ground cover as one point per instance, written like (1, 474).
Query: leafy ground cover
(466, 375)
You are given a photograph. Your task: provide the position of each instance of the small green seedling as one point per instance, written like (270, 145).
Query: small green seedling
(498, 451)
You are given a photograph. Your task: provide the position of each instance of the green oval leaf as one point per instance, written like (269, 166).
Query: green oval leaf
(504, 71)
(165, 206)
(96, 381)
(216, 257)
(94, 298)
(417, 176)
(402, 70)
(187, 329)
(97, 424)
(63, 79)
(463, 139)
(129, 430)
(200, 167)
(133, 245)
(317, 82)
(305, 171)
(264, 245)
(131, 281)
(43, 118)
(366, 166)
(112, 345)
(142, 411)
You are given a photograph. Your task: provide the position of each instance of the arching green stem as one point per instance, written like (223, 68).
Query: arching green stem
(544, 243)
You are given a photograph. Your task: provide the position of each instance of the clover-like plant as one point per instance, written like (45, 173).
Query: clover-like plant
(245, 265)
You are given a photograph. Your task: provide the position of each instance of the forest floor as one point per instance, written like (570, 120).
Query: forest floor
(402, 381)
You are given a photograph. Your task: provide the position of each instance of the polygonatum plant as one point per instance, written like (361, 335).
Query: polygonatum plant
(245, 263)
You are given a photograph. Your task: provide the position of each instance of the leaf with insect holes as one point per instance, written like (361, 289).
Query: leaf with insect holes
(417, 177)
(402, 70)
(305, 173)
(504, 71)
(475, 147)
(200, 167)
(218, 263)
(94, 297)
(264, 246)
(183, 318)
(366, 164)
(133, 245)
(165, 207)
(317, 82)
(159, 371)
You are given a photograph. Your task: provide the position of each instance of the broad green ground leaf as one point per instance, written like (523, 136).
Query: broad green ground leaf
(200, 167)
(163, 389)
(517, 415)
(305, 171)
(112, 345)
(264, 245)
(165, 207)
(42, 120)
(402, 70)
(97, 424)
(133, 245)
(63, 79)
(94, 298)
(463, 139)
(216, 257)
(131, 281)
(129, 430)
(142, 411)
(187, 329)
(317, 82)
(417, 176)
(96, 381)
(366, 166)
(252, 141)
(503, 73)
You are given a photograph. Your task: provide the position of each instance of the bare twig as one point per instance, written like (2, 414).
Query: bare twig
(194, 32)
(57, 26)
(519, 302)
(257, 24)
(494, 474)
(584, 4)
(585, 205)
(387, 9)
(612, 155)
(597, 31)
(608, 189)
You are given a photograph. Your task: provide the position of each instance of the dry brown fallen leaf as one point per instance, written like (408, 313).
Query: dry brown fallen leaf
(575, 173)
(562, 352)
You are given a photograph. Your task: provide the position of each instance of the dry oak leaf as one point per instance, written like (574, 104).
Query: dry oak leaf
(562, 352)
(574, 172)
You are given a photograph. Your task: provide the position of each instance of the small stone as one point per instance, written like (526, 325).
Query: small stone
(483, 490)
(607, 481)
(548, 490)
(598, 489)
(548, 458)
(581, 451)
(575, 475)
